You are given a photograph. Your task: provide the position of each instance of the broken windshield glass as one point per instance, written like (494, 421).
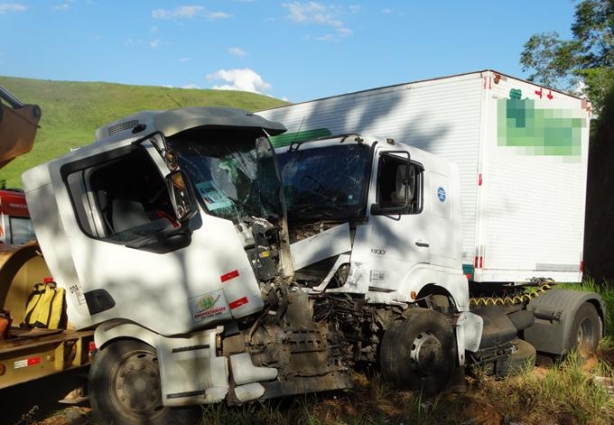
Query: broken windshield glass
(224, 173)
(325, 183)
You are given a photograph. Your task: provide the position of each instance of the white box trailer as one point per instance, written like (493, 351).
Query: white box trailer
(521, 149)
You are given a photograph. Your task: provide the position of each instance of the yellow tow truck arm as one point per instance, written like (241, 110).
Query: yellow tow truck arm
(18, 126)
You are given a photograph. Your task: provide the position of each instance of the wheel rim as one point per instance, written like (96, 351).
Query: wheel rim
(585, 336)
(136, 384)
(426, 353)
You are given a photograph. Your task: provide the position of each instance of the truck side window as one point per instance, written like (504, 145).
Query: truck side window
(122, 199)
(399, 185)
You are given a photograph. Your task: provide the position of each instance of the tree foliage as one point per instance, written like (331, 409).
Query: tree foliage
(582, 65)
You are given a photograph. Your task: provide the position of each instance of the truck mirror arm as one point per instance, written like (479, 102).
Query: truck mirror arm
(377, 209)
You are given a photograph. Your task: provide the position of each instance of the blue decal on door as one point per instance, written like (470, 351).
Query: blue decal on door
(441, 194)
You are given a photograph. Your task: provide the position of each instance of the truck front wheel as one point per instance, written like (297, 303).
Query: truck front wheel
(419, 353)
(124, 387)
(585, 331)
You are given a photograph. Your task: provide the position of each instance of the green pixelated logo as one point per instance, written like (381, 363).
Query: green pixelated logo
(551, 132)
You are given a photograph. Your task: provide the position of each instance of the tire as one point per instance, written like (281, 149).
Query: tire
(124, 388)
(522, 357)
(419, 353)
(585, 331)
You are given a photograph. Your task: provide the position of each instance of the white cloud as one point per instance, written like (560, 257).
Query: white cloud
(185, 59)
(237, 51)
(181, 12)
(319, 14)
(345, 32)
(188, 12)
(154, 43)
(218, 15)
(63, 6)
(239, 79)
(11, 7)
(327, 37)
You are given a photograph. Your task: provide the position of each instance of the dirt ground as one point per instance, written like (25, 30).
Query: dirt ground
(37, 402)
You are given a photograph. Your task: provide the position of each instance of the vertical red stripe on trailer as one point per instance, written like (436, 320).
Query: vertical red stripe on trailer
(478, 262)
(487, 83)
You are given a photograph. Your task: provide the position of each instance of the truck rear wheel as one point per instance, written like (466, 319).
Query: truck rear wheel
(419, 353)
(585, 331)
(124, 387)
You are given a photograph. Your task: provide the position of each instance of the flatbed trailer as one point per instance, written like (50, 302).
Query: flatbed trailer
(36, 353)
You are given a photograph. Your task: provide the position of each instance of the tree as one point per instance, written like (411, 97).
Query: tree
(599, 223)
(582, 65)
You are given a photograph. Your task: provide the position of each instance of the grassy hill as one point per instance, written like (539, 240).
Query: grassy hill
(73, 110)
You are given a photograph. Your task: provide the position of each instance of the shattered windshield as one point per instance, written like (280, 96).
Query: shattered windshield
(325, 183)
(225, 173)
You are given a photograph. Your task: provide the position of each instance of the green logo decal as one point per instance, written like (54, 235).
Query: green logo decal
(207, 302)
(552, 132)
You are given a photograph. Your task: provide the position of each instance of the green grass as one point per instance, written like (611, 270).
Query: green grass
(606, 290)
(563, 395)
(72, 111)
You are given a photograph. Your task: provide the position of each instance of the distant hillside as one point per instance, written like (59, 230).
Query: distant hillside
(72, 111)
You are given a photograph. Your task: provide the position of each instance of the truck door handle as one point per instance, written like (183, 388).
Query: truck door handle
(422, 244)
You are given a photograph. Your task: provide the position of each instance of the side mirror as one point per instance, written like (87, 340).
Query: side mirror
(182, 197)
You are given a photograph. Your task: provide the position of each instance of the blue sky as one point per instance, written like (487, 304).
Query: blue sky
(293, 50)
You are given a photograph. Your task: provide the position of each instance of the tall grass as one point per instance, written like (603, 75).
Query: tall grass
(562, 395)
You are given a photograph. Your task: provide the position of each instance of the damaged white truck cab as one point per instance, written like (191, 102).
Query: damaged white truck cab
(393, 213)
(209, 279)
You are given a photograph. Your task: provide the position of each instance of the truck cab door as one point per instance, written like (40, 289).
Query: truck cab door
(395, 238)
